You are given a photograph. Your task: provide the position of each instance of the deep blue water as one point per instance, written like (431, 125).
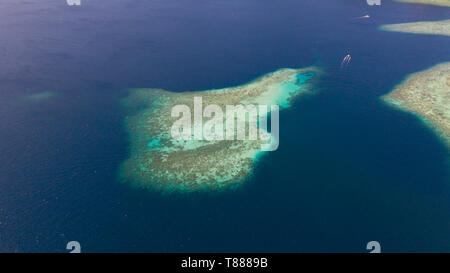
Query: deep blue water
(348, 170)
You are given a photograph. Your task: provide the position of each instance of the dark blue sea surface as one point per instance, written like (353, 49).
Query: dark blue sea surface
(349, 169)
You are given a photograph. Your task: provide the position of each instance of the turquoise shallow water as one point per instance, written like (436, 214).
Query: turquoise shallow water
(293, 87)
(154, 143)
(349, 169)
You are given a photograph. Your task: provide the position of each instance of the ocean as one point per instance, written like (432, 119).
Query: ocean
(349, 169)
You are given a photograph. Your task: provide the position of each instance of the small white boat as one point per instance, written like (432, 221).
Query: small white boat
(346, 61)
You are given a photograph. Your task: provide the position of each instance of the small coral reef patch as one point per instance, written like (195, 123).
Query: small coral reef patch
(426, 94)
(158, 161)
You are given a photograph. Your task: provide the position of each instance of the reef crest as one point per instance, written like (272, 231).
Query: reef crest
(444, 3)
(425, 27)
